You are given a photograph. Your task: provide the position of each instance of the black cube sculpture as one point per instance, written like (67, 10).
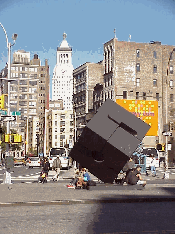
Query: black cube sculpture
(108, 140)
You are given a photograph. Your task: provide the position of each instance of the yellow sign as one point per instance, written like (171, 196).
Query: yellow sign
(145, 110)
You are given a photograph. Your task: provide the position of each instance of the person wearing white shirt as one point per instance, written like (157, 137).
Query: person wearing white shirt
(153, 166)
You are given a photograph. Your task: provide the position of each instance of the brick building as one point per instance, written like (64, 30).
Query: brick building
(85, 77)
(139, 71)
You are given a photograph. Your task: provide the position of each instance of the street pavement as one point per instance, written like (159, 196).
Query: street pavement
(157, 189)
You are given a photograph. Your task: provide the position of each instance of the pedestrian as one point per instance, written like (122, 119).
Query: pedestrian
(46, 166)
(57, 167)
(153, 166)
(134, 177)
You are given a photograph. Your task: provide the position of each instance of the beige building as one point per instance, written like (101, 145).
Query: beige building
(59, 126)
(33, 130)
(29, 93)
(85, 77)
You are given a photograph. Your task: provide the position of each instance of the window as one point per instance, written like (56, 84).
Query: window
(55, 136)
(108, 94)
(154, 54)
(171, 83)
(154, 82)
(71, 123)
(171, 56)
(62, 123)
(105, 82)
(55, 143)
(155, 69)
(124, 94)
(171, 98)
(144, 96)
(111, 80)
(55, 123)
(138, 67)
(108, 81)
(157, 96)
(55, 129)
(137, 95)
(111, 95)
(138, 82)
(62, 136)
(171, 69)
(62, 129)
(138, 53)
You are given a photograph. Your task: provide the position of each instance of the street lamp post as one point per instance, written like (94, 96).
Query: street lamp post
(166, 157)
(9, 45)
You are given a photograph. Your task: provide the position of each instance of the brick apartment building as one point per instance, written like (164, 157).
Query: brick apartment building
(131, 71)
(85, 77)
(139, 71)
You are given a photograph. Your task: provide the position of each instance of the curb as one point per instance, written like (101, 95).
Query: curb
(88, 201)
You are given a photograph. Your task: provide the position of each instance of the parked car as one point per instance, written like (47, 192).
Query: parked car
(65, 162)
(34, 162)
(19, 161)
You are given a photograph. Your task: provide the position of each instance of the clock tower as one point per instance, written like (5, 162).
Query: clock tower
(62, 80)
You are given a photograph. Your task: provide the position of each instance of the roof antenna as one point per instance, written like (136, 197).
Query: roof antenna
(114, 32)
(129, 38)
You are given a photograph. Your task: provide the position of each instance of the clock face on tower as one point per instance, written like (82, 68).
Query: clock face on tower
(63, 71)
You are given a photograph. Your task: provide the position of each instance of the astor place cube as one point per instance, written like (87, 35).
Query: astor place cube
(108, 140)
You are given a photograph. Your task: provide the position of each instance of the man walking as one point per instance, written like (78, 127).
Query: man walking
(153, 166)
(56, 166)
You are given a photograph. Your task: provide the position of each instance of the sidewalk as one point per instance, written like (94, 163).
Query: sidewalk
(58, 193)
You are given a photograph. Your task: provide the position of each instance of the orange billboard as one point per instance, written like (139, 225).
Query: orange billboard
(145, 110)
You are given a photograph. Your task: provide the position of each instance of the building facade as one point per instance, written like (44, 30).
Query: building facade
(139, 71)
(29, 93)
(85, 78)
(59, 126)
(62, 80)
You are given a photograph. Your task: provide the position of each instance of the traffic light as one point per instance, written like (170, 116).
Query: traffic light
(16, 138)
(7, 138)
(171, 126)
(2, 101)
(159, 147)
(163, 147)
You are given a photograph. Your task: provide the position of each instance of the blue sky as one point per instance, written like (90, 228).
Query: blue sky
(88, 23)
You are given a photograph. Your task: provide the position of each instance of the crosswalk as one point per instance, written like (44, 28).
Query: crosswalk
(30, 178)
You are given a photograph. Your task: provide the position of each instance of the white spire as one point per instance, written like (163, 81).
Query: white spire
(64, 43)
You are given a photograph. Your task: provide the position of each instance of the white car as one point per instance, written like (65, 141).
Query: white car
(65, 162)
(34, 162)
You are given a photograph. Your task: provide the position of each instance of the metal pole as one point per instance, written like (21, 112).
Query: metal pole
(166, 156)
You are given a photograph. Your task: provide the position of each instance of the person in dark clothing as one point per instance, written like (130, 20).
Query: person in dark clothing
(134, 177)
(129, 166)
(46, 166)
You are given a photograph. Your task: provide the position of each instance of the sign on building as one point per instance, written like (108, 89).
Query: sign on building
(145, 110)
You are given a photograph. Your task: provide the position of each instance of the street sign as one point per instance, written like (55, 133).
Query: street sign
(16, 113)
(167, 133)
(8, 118)
(3, 112)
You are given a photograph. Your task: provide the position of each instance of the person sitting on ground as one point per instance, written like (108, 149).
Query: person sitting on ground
(82, 179)
(134, 177)
(130, 165)
(74, 181)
